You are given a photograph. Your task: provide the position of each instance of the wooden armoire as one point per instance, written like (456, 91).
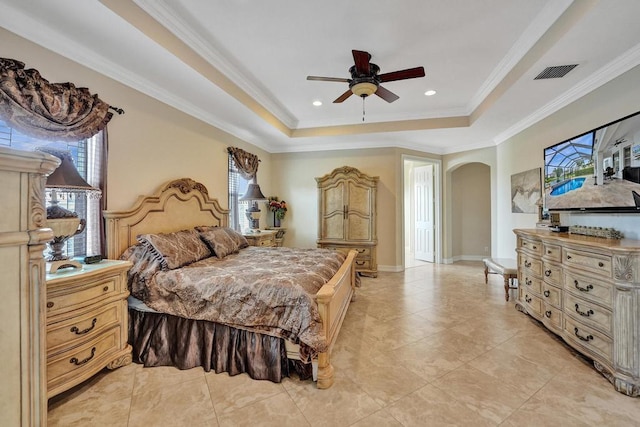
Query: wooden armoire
(347, 215)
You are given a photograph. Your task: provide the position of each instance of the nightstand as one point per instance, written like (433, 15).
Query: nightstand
(280, 232)
(87, 323)
(262, 238)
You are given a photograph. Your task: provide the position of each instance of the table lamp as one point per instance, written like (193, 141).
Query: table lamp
(253, 196)
(64, 223)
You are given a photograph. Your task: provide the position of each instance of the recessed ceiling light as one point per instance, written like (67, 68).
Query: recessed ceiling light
(430, 92)
(317, 103)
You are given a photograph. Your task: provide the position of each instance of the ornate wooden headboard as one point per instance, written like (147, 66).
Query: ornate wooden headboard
(177, 205)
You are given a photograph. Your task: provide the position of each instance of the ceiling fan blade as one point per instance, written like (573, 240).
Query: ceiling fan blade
(386, 94)
(409, 73)
(342, 97)
(361, 60)
(328, 79)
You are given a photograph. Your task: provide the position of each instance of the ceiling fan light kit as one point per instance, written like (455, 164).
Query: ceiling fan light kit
(364, 89)
(365, 78)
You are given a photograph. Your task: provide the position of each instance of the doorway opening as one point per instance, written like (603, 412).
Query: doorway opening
(421, 211)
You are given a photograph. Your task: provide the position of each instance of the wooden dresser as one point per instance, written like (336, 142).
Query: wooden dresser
(87, 325)
(586, 290)
(347, 215)
(23, 235)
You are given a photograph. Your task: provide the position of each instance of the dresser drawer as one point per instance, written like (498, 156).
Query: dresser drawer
(590, 289)
(588, 313)
(79, 363)
(85, 324)
(588, 338)
(533, 246)
(74, 297)
(552, 273)
(552, 317)
(532, 284)
(363, 253)
(364, 264)
(532, 264)
(551, 295)
(552, 252)
(598, 264)
(532, 303)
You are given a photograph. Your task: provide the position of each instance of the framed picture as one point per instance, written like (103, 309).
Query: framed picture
(526, 191)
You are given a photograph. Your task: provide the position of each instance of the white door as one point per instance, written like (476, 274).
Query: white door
(423, 191)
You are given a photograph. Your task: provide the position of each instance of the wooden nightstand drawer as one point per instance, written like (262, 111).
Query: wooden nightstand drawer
(69, 299)
(79, 363)
(86, 324)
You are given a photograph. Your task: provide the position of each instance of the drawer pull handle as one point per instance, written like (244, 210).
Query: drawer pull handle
(528, 282)
(601, 264)
(547, 273)
(50, 304)
(587, 289)
(360, 263)
(77, 331)
(105, 289)
(583, 313)
(535, 247)
(547, 293)
(527, 264)
(527, 299)
(587, 338)
(568, 256)
(77, 362)
(361, 251)
(548, 314)
(549, 252)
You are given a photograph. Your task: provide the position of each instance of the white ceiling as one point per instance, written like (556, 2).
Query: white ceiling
(241, 65)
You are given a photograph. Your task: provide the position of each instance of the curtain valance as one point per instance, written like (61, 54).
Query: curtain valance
(246, 163)
(52, 111)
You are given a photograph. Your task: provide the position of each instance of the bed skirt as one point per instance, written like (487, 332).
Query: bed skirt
(160, 339)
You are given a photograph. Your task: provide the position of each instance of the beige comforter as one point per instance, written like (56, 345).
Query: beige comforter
(266, 290)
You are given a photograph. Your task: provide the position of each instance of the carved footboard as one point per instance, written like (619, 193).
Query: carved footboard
(333, 301)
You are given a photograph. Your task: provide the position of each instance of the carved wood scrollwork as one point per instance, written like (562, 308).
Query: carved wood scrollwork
(185, 185)
(623, 268)
(36, 199)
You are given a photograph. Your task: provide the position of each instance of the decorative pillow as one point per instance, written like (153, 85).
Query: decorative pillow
(239, 239)
(175, 250)
(219, 241)
(145, 265)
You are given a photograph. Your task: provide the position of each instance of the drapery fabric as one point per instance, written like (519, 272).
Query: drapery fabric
(246, 163)
(52, 111)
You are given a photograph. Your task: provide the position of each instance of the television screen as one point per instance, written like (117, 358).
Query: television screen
(595, 171)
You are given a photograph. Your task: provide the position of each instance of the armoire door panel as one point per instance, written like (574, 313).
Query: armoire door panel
(333, 227)
(359, 228)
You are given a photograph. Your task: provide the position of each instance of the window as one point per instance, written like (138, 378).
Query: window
(87, 157)
(237, 187)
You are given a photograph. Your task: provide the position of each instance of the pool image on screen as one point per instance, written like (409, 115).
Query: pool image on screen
(596, 170)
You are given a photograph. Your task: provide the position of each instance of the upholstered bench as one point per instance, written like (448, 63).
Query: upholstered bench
(506, 267)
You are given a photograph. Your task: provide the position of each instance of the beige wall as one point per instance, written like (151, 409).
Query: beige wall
(471, 212)
(151, 143)
(451, 163)
(522, 152)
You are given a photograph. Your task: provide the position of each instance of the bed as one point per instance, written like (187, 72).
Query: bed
(185, 204)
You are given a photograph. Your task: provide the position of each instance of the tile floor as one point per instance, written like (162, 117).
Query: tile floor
(430, 346)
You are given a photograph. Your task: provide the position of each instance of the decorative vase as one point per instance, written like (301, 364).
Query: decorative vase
(276, 220)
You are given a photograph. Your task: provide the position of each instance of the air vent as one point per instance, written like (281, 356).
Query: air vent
(555, 72)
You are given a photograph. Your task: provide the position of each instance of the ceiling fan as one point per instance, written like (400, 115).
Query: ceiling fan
(365, 79)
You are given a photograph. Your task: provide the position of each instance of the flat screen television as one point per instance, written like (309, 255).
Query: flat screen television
(597, 171)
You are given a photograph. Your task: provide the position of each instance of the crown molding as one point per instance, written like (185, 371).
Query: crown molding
(615, 68)
(162, 11)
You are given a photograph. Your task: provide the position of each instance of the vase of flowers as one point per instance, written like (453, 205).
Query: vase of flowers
(279, 209)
